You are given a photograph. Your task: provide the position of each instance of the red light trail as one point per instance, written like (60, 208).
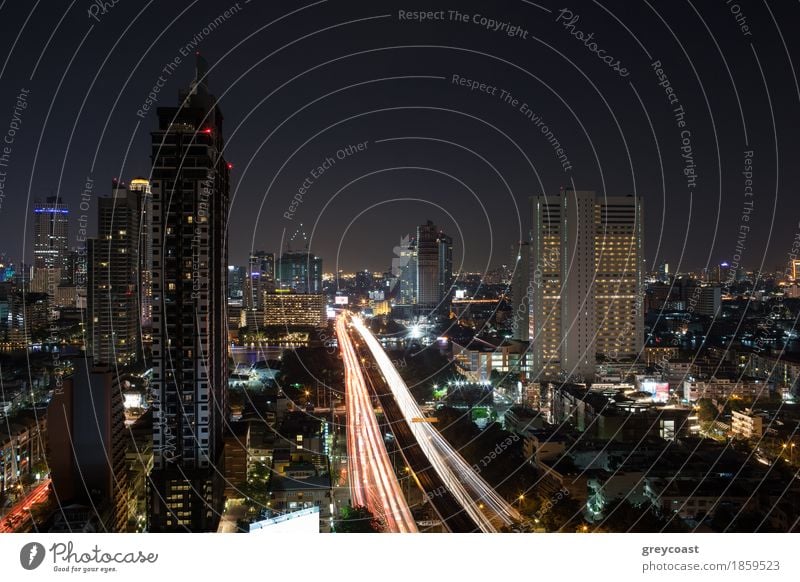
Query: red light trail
(373, 482)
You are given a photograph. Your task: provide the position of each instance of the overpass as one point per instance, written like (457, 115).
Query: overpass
(373, 483)
(458, 482)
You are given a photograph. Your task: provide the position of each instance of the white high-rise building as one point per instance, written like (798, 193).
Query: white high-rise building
(587, 282)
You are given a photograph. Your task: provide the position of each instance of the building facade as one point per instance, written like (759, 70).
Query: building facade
(190, 372)
(521, 290)
(293, 310)
(114, 283)
(404, 269)
(89, 466)
(260, 279)
(586, 282)
(434, 254)
(299, 271)
(50, 234)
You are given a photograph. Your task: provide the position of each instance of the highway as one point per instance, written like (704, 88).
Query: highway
(373, 483)
(477, 498)
(448, 510)
(19, 515)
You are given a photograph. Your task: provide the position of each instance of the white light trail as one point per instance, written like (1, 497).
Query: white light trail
(373, 482)
(468, 488)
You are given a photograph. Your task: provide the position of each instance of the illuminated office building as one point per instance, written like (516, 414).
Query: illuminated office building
(114, 269)
(586, 279)
(293, 310)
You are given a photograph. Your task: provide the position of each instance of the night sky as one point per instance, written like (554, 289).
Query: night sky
(299, 82)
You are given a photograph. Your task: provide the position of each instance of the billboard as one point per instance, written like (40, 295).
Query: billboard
(659, 390)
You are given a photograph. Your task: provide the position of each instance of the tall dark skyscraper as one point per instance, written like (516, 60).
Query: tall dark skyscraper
(145, 279)
(190, 211)
(299, 271)
(236, 282)
(260, 279)
(434, 266)
(114, 269)
(427, 266)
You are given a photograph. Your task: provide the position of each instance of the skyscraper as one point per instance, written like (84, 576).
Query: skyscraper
(619, 284)
(434, 266)
(145, 279)
(722, 273)
(86, 452)
(520, 291)
(50, 246)
(663, 273)
(190, 372)
(299, 271)
(114, 267)
(260, 279)
(586, 275)
(445, 244)
(404, 271)
(50, 233)
(236, 282)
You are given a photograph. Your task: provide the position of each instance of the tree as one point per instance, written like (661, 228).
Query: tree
(563, 515)
(624, 517)
(706, 411)
(357, 519)
(729, 519)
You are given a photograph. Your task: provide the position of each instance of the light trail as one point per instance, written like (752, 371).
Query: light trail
(488, 509)
(20, 513)
(373, 482)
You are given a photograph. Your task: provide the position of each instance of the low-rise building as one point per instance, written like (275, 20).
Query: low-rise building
(693, 499)
(480, 357)
(609, 415)
(723, 389)
(301, 486)
(22, 448)
(605, 487)
(747, 425)
(294, 310)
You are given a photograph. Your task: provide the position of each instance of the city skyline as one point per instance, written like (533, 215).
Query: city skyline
(499, 268)
(260, 223)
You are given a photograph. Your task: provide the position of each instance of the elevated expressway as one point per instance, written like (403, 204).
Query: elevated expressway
(373, 483)
(461, 497)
